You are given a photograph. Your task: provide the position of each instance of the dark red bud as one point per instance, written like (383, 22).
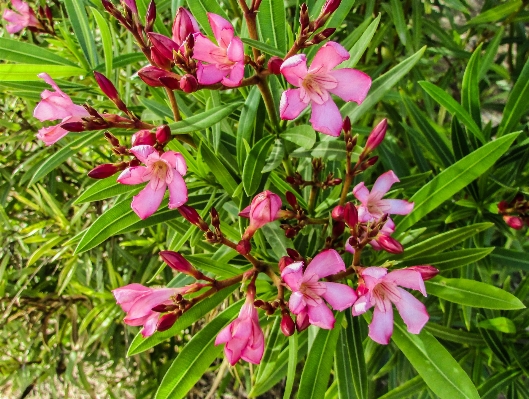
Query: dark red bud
(131, 5)
(350, 215)
(163, 44)
(338, 228)
(150, 16)
(294, 254)
(74, 126)
(346, 124)
(519, 197)
(215, 219)
(166, 321)
(287, 324)
(291, 233)
(188, 83)
(370, 162)
(244, 247)
(330, 6)
(502, 205)
(170, 82)
(159, 59)
(108, 6)
(513, 222)
(113, 140)
(105, 170)
(151, 75)
(291, 199)
(163, 134)
(106, 86)
(192, 216)
(143, 137)
(274, 65)
(304, 18)
(337, 213)
(389, 244)
(49, 14)
(163, 308)
(427, 272)
(284, 262)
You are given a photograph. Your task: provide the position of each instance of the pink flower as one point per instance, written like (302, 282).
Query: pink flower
(184, 25)
(22, 19)
(316, 85)
(225, 62)
(264, 209)
(373, 207)
(380, 289)
(138, 302)
(56, 105)
(513, 222)
(162, 172)
(308, 293)
(243, 337)
(376, 136)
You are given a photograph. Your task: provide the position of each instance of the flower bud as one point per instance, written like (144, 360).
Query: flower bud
(177, 262)
(188, 83)
(287, 324)
(74, 126)
(143, 137)
(184, 25)
(284, 262)
(502, 205)
(338, 228)
(295, 255)
(215, 219)
(302, 322)
(291, 232)
(192, 216)
(427, 272)
(163, 44)
(159, 59)
(514, 222)
(346, 124)
(150, 16)
(131, 5)
(350, 215)
(113, 140)
(338, 212)
(151, 75)
(244, 247)
(274, 65)
(163, 134)
(292, 200)
(323, 35)
(106, 86)
(166, 321)
(370, 162)
(170, 82)
(376, 136)
(389, 244)
(330, 6)
(105, 170)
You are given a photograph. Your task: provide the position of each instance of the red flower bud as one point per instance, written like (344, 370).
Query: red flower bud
(287, 324)
(274, 65)
(330, 6)
(151, 75)
(159, 59)
(346, 124)
(177, 262)
(294, 254)
(184, 25)
(163, 134)
(502, 205)
(166, 321)
(143, 137)
(188, 83)
(105, 170)
(427, 272)
(192, 216)
(291, 199)
(350, 215)
(514, 222)
(244, 247)
(106, 86)
(376, 136)
(337, 213)
(338, 228)
(389, 244)
(284, 262)
(163, 44)
(150, 16)
(74, 126)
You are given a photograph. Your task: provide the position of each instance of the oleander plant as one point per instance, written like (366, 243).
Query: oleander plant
(264, 199)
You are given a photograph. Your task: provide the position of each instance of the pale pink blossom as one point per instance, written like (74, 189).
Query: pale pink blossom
(56, 105)
(225, 62)
(383, 240)
(138, 302)
(317, 83)
(264, 209)
(243, 337)
(162, 172)
(308, 293)
(21, 18)
(381, 289)
(373, 207)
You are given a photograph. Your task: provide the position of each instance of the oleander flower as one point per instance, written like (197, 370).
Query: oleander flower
(317, 83)
(21, 18)
(264, 209)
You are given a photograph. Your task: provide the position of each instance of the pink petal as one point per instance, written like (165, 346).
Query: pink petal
(233, 349)
(210, 74)
(374, 272)
(222, 29)
(143, 305)
(205, 50)
(326, 263)
(142, 152)
(383, 184)
(398, 207)
(361, 193)
(339, 296)
(224, 335)
(177, 192)
(245, 213)
(48, 79)
(406, 278)
(127, 295)
(381, 326)
(328, 56)
(326, 118)
(412, 311)
(296, 303)
(362, 305)
(254, 353)
(21, 6)
(147, 201)
(321, 316)
(236, 50)
(294, 69)
(353, 85)
(149, 326)
(235, 76)
(134, 175)
(52, 134)
(292, 275)
(176, 160)
(348, 247)
(291, 105)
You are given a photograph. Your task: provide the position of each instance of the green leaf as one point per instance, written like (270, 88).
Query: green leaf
(276, 239)
(292, 363)
(140, 344)
(200, 8)
(265, 48)
(220, 172)
(501, 324)
(453, 107)
(104, 189)
(106, 38)
(498, 383)
(302, 135)
(470, 92)
(497, 13)
(316, 372)
(381, 86)
(195, 357)
(453, 335)
(454, 178)
(255, 162)
(441, 372)
(406, 390)
(397, 15)
(272, 22)
(510, 258)
(472, 293)
(357, 51)
(490, 53)
(29, 72)
(27, 53)
(247, 124)
(61, 156)
(81, 27)
(204, 119)
(449, 260)
(517, 104)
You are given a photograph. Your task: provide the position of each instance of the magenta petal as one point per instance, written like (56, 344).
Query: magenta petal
(177, 192)
(321, 316)
(134, 175)
(149, 326)
(361, 192)
(381, 326)
(412, 311)
(233, 349)
(294, 69)
(144, 304)
(236, 50)
(127, 295)
(328, 56)
(339, 296)
(398, 207)
(326, 118)
(291, 105)
(209, 74)
(142, 152)
(383, 184)
(52, 134)
(147, 201)
(176, 160)
(362, 305)
(326, 263)
(224, 335)
(205, 50)
(406, 278)
(296, 304)
(292, 275)
(353, 85)
(254, 353)
(235, 76)
(222, 29)
(48, 79)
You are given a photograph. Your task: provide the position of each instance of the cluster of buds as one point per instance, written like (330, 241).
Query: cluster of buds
(516, 212)
(24, 17)
(308, 31)
(317, 167)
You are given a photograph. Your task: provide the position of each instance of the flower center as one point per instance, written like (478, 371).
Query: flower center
(315, 87)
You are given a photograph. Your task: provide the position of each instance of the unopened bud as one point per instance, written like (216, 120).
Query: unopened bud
(370, 162)
(170, 82)
(215, 220)
(150, 16)
(337, 213)
(338, 228)
(188, 83)
(49, 14)
(291, 199)
(143, 137)
(106, 86)
(166, 321)
(350, 215)
(184, 25)
(177, 262)
(108, 6)
(323, 35)
(131, 5)
(274, 65)
(304, 18)
(105, 170)
(113, 140)
(287, 324)
(330, 6)
(163, 134)
(291, 232)
(514, 222)
(346, 124)
(389, 244)
(192, 216)
(161, 308)
(151, 75)
(427, 272)
(294, 254)
(163, 44)
(502, 205)
(244, 247)
(284, 262)
(74, 126)
(376, 136)
(302, 322)
(159, 59)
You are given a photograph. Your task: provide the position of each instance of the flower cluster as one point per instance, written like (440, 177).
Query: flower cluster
(515, 212)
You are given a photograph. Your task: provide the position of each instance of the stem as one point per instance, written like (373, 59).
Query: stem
(257, 264)
(345, 189)
(312, 198)
(350, 270)
(269, 102)
(250, 15)
(277, 282)
(293, 51)
(174, 104)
